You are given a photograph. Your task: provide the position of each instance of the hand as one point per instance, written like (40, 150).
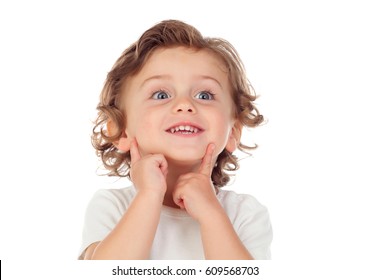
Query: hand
(148, 172)
(195, 192)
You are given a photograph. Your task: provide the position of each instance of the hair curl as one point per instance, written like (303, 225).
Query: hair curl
(169, 33)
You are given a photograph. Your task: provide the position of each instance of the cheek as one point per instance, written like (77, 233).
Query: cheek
(222, 131)
(141, 123)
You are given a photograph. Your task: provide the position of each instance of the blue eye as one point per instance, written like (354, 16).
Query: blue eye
(205, 95)
(160, 95)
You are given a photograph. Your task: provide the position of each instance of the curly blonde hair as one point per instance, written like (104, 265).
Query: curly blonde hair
(169, 33)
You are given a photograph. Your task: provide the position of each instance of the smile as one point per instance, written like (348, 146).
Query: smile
(184, 129)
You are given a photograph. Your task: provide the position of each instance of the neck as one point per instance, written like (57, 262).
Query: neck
(175, 170)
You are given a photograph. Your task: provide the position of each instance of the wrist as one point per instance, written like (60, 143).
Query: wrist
(151, 195)
(212, 214)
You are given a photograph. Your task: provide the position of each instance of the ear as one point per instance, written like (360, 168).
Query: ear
(234, 137)
(123, 143)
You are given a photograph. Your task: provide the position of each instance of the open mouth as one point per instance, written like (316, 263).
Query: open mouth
(184, 129)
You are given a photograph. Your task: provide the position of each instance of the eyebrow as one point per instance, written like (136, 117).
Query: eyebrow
(156, 77)
(205, 77)
(168, 77)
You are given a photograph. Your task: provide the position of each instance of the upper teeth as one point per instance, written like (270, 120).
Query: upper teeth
(184, 128)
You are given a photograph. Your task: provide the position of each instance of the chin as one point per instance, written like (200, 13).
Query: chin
(184, 158)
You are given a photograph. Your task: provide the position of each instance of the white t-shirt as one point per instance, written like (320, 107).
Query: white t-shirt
(178, 234)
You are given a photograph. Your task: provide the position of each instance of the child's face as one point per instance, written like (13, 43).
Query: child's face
(179, 103)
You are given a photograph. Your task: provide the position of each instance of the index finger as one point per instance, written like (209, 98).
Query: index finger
(135, 153)
(206, 166)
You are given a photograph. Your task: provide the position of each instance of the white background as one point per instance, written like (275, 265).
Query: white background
(308, 61)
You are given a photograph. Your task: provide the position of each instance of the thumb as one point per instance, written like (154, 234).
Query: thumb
(179, 201)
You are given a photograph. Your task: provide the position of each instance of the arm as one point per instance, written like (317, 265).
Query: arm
(195, 193)
(220, 241)
(132, 237)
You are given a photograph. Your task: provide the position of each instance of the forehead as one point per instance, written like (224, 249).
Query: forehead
(175, 59)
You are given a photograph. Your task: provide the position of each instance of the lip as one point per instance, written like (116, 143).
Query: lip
(190, 129)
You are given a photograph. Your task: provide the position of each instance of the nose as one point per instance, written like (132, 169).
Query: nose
(184, 105)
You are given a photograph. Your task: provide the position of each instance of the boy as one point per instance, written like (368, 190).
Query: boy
(170, 115)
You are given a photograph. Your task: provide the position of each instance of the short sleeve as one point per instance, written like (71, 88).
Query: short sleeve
(251, 221)
(256, 233)
(102, 214)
